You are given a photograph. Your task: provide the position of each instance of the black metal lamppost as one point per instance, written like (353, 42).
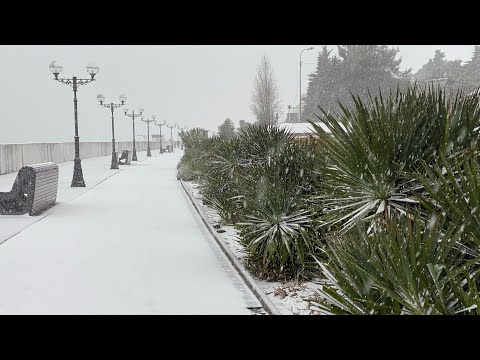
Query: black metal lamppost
(160, 126)
(101, 99)
(148, 121)
(92, 69)
(171, 136)
(133, 116)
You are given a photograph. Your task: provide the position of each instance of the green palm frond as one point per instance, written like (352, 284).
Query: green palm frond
(453, 187)
(372, 150)
(404, 268)
(279, 234)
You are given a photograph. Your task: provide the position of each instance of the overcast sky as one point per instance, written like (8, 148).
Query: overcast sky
(188, 85)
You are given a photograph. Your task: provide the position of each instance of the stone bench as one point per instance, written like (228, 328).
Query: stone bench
(34, 190)
(127, 156)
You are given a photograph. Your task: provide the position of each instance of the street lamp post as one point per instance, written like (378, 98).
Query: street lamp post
(288, 117)
(160, 126)
(112, 106)
(92, 69)
(300, 111)
(148, 121)
(171, 134)
(133, 116)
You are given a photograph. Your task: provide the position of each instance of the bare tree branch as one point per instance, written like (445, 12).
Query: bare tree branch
(265, 96)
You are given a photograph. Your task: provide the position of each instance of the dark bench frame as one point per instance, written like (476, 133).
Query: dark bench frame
(127, 156)
(34, 190)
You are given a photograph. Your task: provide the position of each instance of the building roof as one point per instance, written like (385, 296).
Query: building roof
(301, 128)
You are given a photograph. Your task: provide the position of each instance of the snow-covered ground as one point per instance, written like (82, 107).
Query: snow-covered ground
(95, 170)
(129, 243)
(290, 297)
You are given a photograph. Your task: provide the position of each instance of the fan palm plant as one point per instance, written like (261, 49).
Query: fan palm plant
(453, 187)
(279, 229)
(233, 168)
(196, 143)
(372, 149)
(405, 268)
(222, 175)
(260, 141)
(278, 234)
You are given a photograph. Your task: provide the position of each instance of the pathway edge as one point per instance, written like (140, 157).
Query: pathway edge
(245, 275)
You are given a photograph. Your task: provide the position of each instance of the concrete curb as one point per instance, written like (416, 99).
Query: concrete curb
(252, 285)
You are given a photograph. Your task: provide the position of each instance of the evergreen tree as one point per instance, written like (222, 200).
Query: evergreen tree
(322, 85)
(439, 71)
(357, 69)
(471, 76)
(434, 69)
(242, 124)
(227, 129)
(368, 68)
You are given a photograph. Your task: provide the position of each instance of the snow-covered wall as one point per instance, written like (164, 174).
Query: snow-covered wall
(14, 156)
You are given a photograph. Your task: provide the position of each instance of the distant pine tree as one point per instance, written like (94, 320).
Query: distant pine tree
(439, 71)
(227, 129)
(357, 69)
(242, 124)
(471, 74)
(323, 84)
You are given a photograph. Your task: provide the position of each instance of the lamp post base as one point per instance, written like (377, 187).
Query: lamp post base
(114, 164)
(77, 180)
(134, 156)
(149, 154)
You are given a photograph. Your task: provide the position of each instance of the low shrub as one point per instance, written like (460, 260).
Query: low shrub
(407, 267)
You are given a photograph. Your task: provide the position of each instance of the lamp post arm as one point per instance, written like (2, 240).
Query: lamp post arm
(84, 81)
(64, 81)
(111, 105)
(78, 81)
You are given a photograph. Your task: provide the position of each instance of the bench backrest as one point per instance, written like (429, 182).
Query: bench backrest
(127, 156)
(45, 180)
(34, 190)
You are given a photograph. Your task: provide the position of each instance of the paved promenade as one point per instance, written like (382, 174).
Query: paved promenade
(128, 243)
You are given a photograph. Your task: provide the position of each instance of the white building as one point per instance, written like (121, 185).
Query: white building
(301, 130)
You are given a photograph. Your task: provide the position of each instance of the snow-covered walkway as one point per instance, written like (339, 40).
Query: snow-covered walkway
(130, 243)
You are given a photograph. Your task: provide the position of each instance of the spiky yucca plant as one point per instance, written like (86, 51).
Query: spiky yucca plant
(222, 176)
(372, 149)
(260, 141)
(278, 235)
(196, 143)
(259, 181)
(278, 230)
(453, 187)
(404, 268)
